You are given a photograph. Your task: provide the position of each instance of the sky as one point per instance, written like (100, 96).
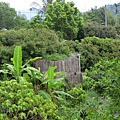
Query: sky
(82, 5)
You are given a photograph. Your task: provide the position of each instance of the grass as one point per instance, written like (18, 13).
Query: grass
(56, 56)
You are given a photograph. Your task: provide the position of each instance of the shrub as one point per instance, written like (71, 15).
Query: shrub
(93, 49)
(104, 78)
(5, 54)
(79, 95)
(20, 102)
(35, 42)
(94, 29)
(45, 43)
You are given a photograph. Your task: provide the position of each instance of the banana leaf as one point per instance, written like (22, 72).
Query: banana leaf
(17, 60)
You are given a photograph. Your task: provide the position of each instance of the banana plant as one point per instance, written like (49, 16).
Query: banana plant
(16, 70)
(53, 82)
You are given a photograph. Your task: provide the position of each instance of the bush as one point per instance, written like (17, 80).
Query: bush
(93, 49)
(45, 43)
(94, 29)
(104, 78)
(35, 42)
(79, 95)
(86, 105)
(5, 54)
(20, 102)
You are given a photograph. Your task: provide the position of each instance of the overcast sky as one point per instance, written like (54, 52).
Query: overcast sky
(82, 5)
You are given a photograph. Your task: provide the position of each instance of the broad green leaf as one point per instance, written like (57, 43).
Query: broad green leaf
(62, 93)
(17, 59)
(26, 76)
(32, 69)
(29, 72)
(55, 83)
(33, 72)
(44, 94)
(59, 73)
(11, 69)
(60, 98)
(32, 60)
(50, 72)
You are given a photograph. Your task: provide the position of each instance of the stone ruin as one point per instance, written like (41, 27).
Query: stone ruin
(70, 65)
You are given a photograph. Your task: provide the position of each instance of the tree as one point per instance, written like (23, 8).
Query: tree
(9, 18)
(98, 15)
(94, 29)
(64, 18)
(116, 12)
(116, 8)
(41, 8)
(7, 15)
(21, 21)
(36, 22)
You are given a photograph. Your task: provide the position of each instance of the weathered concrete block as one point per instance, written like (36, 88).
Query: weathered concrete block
(70, 65)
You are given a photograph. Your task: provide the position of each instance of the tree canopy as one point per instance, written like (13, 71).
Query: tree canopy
(98, 15)
(9, 18)
(41, 8)
(64, 18)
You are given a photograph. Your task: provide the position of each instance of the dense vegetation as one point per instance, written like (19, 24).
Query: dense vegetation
(9, 18)
(58, 30)
(94, 29)
(46, 44)
(26, 92)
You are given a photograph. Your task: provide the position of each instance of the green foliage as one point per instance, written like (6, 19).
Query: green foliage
(98, 15)
(25, 93)
(53, 83)
(118, 30)
(34, 42)
(94, 29)
(17, 60)
(55, 56)
(21, 22)
(64, 18)
(36, 22)
(79, 96)
(96, 108)
(86, 105)
(16, 70)
(104, 77)
(20, 102)
(25, 101)
(93, 49)
(6, 54)
(45, 43)
(45, 85)
(7, 15)
(9, 18)
(74, 105)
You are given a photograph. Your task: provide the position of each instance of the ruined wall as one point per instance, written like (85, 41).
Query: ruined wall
(70, 65)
